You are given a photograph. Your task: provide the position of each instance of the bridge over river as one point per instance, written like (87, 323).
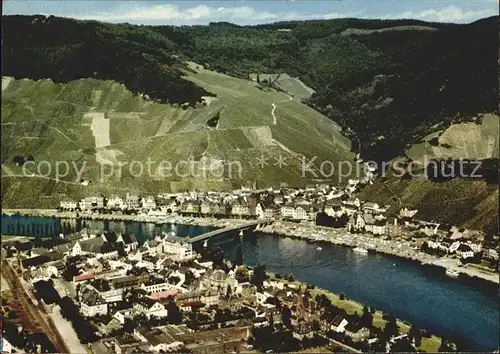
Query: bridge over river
(245, 226)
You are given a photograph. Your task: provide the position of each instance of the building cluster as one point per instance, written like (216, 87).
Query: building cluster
(153, 281)
(456, 243)
(298, 204)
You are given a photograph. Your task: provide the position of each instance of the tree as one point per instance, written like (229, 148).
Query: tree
(271, 322)
(239, 255)
(228, 291)
(402, 346)
(341, 296)
(366, 317)
(18, 160)
(105, 285)
(174, 314)
(258, 276)
(286, 316)
(128, 325)
(415, 333)
(70, 271)
(189, 277)
(391, 327)
(445, 346)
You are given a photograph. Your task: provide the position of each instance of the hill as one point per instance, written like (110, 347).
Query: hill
(40, 47)
(461, 201)
(91, 122)
(386, 82)
(390, 85)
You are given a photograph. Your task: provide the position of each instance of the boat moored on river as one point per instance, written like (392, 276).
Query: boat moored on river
(452, 273)
(360, 250)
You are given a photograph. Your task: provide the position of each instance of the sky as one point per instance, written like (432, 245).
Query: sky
(248, 12)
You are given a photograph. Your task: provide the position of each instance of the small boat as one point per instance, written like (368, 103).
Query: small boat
(361, 250)
(319, 248)
(452, 273)
(241, 232)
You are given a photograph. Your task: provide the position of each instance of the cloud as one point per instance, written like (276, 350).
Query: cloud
(172, 13)
(203, 14)
(446, 14)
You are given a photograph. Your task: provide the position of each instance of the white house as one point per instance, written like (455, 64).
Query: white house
(113, 295)
(356, 223)
(68, 204)
(454, 246)
(157, 288)
(115, 202)
(5, 346)
(91, 302)
(407, 213)
(148, 203)
(38, 275)
(240, 210)
(205, 208)
(377, 227)
(177, 247)
(260, 211)
(334, 211)
(353, 202)
(90, 203)
(464, 251)
(491, 253)
(210, 297)
(287, 211)
(121, 315)
(339, 323)
(300, 213)
(82, 247)
(129, 241)
(150, 307)
(475, 247)
(132, 201)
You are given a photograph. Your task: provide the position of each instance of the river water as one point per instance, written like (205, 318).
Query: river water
(424, 296)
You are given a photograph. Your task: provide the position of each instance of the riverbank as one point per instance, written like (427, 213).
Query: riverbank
(398, 248)
(307, 231)
(428, 344)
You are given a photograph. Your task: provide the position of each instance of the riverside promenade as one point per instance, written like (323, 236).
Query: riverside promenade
(306, 231)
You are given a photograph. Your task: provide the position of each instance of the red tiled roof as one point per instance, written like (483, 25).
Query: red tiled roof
(163, 294)
(85, 276)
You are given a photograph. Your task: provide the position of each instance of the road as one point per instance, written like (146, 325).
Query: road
(274, 108)
(33, 315)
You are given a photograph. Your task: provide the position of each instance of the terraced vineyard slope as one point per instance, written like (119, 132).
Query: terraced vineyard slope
(236, 138)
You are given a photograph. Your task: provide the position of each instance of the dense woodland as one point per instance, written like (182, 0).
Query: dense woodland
(386, 89)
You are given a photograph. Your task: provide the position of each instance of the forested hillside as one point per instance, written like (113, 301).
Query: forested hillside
(388, 81)
(389, 86)
(39, 47)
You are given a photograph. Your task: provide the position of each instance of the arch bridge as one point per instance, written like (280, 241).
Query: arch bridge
(248, 225)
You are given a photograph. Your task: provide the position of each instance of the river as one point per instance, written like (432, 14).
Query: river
(421, 295)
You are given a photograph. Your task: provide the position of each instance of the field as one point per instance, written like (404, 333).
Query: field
(94, 127)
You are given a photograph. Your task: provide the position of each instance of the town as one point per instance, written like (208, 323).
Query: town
(322, 205)
(111, 294)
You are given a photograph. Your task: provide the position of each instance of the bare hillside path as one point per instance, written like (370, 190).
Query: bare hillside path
(274, 107)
